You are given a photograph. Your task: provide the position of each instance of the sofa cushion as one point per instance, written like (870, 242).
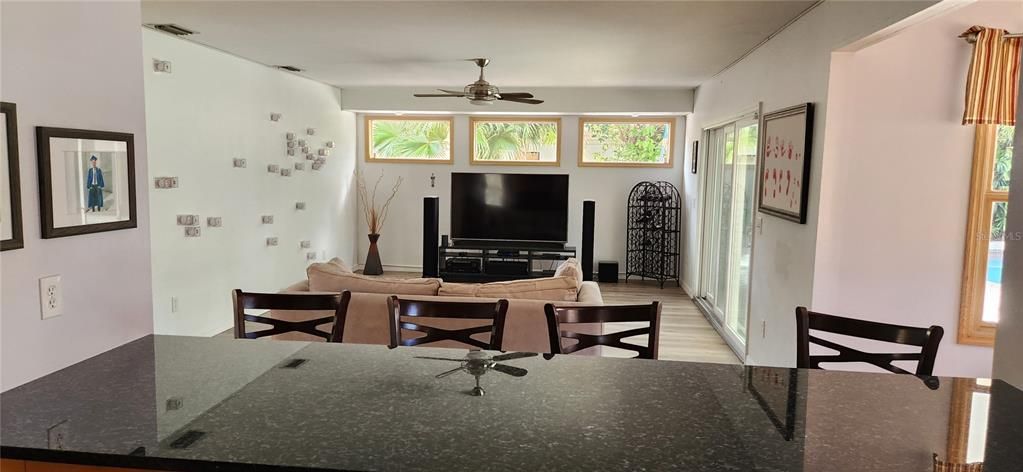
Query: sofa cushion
(341, 265)
(550, 289)
(330, 277)
(570, 268)
(454, 289)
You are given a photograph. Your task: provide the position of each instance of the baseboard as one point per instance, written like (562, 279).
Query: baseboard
(685, 288)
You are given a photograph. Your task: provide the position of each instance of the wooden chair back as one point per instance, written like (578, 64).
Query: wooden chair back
(336, 303)
(927, 339)
(399, 308)
(559, 316)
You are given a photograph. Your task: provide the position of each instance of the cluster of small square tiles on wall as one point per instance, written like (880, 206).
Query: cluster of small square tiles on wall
(191, 222)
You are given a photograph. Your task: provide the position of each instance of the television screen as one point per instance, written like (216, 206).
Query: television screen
(523, 207)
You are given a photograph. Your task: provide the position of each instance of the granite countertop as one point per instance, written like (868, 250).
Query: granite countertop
(182, 403)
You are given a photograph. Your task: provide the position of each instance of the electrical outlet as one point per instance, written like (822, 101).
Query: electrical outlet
(763, 329)
(51, 297)
(57, 436)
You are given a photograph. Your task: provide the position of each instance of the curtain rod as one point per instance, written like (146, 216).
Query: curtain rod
(972, 38)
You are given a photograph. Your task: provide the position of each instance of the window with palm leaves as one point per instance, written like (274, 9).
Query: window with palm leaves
(515, 140)
(985, 245)
(409, 139)
(625, 141)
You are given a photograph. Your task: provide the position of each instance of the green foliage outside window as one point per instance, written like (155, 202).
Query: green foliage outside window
(1000, 180)
(410, 139)
(628, 142)
(508, 141)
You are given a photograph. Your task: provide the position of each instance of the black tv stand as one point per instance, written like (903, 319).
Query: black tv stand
(492, 261)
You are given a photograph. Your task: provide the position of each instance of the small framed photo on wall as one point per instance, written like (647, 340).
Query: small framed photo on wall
(11, 234)
(785, 162)
(86, 181)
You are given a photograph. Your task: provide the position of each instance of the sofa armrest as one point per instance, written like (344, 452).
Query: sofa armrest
(301, 286)
(589, 293)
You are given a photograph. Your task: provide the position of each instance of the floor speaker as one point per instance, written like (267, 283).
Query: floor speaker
(431, 230)
(589, 214)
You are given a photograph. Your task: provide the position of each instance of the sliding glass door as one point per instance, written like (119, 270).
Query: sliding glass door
(731, 162)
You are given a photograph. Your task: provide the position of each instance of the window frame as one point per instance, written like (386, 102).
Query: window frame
(368, 138)
(972, 329)
(513, 119)
(668, 163)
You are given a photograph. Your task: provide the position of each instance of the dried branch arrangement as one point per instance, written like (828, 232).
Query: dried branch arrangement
(375, 215)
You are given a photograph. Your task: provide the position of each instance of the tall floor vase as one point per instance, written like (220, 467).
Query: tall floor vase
(373, 266)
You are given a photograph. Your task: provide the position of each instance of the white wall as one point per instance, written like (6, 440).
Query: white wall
(213, 108)
(73, 65)
(1008, 345)
(895, 190)
(789, 69)
(400, 240)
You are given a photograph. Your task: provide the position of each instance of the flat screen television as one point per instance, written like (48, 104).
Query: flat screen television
(509, 207)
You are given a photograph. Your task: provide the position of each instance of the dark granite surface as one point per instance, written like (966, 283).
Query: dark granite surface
(180, 403)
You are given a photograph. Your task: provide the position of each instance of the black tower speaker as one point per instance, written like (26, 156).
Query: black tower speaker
(431, 230)
(589, 214)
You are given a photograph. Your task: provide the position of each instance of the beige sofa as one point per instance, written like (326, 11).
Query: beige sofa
(367, 322)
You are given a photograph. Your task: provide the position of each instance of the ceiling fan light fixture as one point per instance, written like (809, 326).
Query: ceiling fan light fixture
(481, 102)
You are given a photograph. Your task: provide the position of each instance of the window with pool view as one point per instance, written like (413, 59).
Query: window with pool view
(989, 200)
(408, 139)
(626, 141)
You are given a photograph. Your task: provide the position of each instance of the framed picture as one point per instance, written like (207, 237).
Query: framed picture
(86, 181)
(785, 148)
(11, 235)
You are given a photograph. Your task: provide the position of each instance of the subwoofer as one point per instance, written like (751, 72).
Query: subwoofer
(589, 215)
(431, 229)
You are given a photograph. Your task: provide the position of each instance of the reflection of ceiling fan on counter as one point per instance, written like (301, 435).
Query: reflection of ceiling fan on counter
(481, 92)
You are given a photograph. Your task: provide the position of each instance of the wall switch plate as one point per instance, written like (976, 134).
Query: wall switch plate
(193, 231)
(275, 117)
(163, 67)
(300, 205)
(271, 241)
(215, 221)
(273, 168)
(165, 182)
(285, 172)
(174, 304)
(268, 219)
(51, 297)
(240, 163)
(57, 436)
(306, 244)
(188, 220)
(760, 225)
(763, 329)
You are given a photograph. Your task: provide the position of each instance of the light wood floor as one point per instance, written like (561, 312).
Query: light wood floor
(685, 334)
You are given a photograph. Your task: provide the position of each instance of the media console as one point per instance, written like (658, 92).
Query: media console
(492, 261)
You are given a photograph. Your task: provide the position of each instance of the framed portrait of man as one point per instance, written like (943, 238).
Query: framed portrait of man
(86, 181)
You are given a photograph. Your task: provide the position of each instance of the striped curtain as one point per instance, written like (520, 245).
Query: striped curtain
(992, 86)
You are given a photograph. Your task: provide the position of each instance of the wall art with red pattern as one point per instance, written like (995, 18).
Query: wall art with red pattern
(785, 148)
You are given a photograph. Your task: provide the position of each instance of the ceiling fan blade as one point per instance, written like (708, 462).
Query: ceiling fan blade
(453, 92)
(436, 95)
(440, 358)
(513, 355)
(445, 374)
(512, 371)
(531, 101)
(516, 95)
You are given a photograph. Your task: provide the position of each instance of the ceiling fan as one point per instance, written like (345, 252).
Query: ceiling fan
(481, 92)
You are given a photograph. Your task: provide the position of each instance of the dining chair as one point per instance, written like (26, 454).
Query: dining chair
(925, 338)
(336, 303)
(559, 316)
(399, 308)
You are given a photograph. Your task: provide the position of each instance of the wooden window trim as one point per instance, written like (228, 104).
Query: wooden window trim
(671, 120)
(368, 138)
(512, 119)
(972, 330)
